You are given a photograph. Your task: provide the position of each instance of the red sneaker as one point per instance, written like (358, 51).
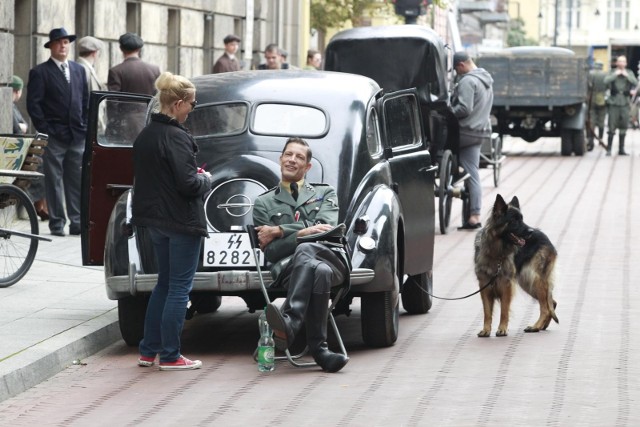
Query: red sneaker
(180, 364)
(146, 361)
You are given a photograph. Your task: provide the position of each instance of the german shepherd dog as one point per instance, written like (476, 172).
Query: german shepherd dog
(508, 250)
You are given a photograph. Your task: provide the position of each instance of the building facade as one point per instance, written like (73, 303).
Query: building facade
(181, 36)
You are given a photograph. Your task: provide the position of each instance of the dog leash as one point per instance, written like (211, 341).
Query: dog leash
(491, 281)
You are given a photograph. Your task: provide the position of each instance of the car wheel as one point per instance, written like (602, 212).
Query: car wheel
(566, 142)
(131, 312)
(415, 294)
(380, 318)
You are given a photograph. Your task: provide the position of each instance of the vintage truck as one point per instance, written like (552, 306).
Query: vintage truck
(539, 91)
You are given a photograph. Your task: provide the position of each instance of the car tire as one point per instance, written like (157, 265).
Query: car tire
(380, 318)
(415, 294)
(131, 313)
(566, 142)
(578, 142)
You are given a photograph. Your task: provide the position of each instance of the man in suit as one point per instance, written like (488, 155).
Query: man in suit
(228, 61)
(57, 101)
(89, 49)
(125, 120)
(133, 75)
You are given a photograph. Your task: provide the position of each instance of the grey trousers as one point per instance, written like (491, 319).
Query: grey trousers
(62, 181)
(469, 158)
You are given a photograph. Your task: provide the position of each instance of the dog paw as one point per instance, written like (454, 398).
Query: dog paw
(531, 329)
(484, 333)
(501, 333)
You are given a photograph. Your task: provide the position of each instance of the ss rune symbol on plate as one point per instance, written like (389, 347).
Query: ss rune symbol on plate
(229, 250)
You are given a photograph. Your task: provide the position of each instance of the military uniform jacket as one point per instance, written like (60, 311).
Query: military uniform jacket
(619, 88)
(316, 204)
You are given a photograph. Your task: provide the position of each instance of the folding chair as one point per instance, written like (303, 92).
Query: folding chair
(293, 359)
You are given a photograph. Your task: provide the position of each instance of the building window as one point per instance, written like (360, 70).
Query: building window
(618, 15)
(571, 15)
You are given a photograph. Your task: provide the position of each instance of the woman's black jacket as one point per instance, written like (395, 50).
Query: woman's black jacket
(167, 190)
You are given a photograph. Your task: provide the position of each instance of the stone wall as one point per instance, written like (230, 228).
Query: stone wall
(181, 36)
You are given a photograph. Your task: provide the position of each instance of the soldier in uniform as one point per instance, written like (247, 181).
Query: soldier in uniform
(597, 104)
(619, 82)
(308, 271)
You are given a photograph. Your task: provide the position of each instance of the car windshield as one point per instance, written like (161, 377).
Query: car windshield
(287, 119)
(217, 120)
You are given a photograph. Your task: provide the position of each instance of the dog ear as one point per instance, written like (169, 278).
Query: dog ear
(499, 206)
(515, 202)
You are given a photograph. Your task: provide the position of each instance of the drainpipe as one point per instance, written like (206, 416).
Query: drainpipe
(248, 34)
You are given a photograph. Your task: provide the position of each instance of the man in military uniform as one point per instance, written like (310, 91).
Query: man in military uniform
(597, 104)
(619, 82)
(296, 208)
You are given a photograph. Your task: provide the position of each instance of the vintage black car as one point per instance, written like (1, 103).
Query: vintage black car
(369, 146)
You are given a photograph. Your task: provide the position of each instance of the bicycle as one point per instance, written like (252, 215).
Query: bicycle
(18, 238)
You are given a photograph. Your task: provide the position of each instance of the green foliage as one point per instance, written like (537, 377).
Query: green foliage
(334, 13)
(516, 35)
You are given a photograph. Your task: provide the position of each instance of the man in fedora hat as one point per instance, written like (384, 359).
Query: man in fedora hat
(228, 61)
(57, 101)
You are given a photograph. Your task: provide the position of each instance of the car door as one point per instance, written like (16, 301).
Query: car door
(412, 175)
(115, 119)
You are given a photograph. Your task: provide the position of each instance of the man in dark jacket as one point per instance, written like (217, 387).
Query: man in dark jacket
(228, 61)
(471, 102)
(133, 75)
(57, 101)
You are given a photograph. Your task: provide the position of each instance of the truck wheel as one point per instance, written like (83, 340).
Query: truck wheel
(566, 142)
(415, 298)
(380, 318)
(131, 312)
(578, 142)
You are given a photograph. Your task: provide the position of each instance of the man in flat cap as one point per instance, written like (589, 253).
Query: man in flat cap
(133, 75)
(471, 103)
(57, 101)
(228, 61)
(89, 49)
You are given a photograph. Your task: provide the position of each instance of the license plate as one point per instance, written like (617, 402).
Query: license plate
(230, 250)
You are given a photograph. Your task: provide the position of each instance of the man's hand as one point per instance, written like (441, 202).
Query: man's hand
(267, 234)
(314, 229)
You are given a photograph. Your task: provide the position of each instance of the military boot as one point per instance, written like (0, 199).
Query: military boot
(621, 151)
(286, 323)
(590, 137)
(609, 144)
(316, 322)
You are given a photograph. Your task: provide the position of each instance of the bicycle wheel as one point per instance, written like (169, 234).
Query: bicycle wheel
(17, 249)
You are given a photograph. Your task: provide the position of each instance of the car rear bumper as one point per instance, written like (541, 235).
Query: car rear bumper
(226, 282)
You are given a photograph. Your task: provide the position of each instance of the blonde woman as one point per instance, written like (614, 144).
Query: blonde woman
(167, 201)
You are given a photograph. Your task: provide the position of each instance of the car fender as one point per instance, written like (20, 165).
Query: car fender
(577, 120)
(381, 210)
(116, 247)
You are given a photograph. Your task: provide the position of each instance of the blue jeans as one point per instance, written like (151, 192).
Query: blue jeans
(177, 255)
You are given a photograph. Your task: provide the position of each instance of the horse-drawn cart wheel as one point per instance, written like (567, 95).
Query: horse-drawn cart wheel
(444, 193)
